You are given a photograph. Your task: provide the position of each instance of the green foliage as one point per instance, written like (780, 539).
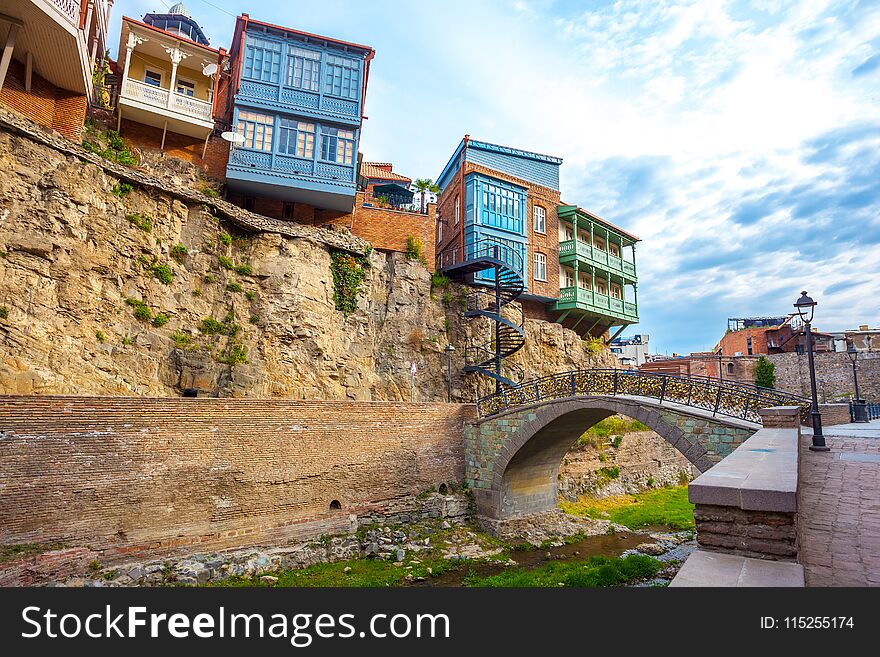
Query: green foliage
(609, 472)
(244, 270)
(225, 239)
(163, 273)
(250, 295)
(234, 355)
(19, 550)
(446, 324)
(211, 326)
(446, 298)
(4, 312)
(180, 339)
(661, 506)
(595, 345)
(255, 319)
(414, 248)
(209, 191)
(179, 252)
(765, 373)
(141, 311)
(99, 336)
(126, 340)
(121, 189)
(110, 145)
(607, 427)
(160, 320)
(208, 278)
(234, 286)
(617, 441)
(225, 262)
(650, 483)
(439, 280)
(94, 566)
(593, 572)
(348, 274)
(144, 223)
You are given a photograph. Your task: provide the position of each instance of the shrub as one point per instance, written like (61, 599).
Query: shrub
(126, 340)
(197, 292)
(225, 262)
(612, 472)
(121, 189)
(225, 238)
(616, 442)
(765, 373)
(207, 190)
(250, 295)
(99, 336)
(446, 324)
(439, 280)
(211, 326)
(414, 248)
(144, 223)
(234, 287)
(348, 274)
(595, 345)
(235, 355)
(446, 298)
(180, 339)
(163, 273)
(160, 320)
(255, 319)
(4, 312)
(143, 313)
(208, 278)
(179, 252)
(244, 270)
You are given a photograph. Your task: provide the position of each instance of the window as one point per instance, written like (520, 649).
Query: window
(337, 145)
(439, 230)
(296, 138)
(303, 68)
(730, 368)
(262, 60)
(342, 77)
(569, 277)
(502, 207)
(257, 130)
(615, 291)
(457, 209)
(583, 282)
(541, 267)
(287, 211)
(540, 216)
(152, 78)
(186, 88)
(749, 345)
(249, 203)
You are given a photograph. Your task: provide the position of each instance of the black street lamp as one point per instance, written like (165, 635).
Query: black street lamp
(806, 307)
(449, 350)
(860, 411)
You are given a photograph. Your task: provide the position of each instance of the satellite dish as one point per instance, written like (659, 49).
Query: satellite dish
(210, 69)
(233, 137)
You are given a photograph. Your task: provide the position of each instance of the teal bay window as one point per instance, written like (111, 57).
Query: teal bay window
(296, 138)
(257, 129)
(303, 68)
(342, 76)
(262, 60)
(337, 145)
(502, 207)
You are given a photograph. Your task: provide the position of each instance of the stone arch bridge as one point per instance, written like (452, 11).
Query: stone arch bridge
(513, 450)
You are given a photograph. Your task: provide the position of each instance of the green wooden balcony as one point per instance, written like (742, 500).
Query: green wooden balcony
(576, 298)
(591, 255)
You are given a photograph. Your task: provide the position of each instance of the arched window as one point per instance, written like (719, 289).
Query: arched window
(540, 217)
(335, 505)
(443, 490)
(730, 368)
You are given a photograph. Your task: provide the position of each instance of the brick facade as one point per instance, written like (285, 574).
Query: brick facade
(135, 475)
(180, 146)
(46, 104)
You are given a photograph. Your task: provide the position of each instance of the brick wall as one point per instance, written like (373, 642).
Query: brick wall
(46, 104)
(834, 375)
(180, 146)
(128, 475)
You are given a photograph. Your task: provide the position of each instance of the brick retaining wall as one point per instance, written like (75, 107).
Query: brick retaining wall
(130, 475)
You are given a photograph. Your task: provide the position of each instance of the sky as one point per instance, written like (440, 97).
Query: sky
(739, 140)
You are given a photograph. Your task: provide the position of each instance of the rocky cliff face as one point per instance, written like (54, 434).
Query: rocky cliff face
(145, 292)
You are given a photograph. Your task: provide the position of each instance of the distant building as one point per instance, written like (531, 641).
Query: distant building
(382, 185)
(49, 54)
(297, 101)
(863, 338)
(632, 351)
(761, 337)
(429, 197)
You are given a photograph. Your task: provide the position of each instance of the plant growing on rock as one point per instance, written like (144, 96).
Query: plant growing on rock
(121, 189)
(439, 280)
(249, 295)
(234, 355)
(180, 339)
(160, 320)
(163, 273)
(234, 286)
(179, 252)
(126, 340)
(225, 239)
(144, 223)
(4, 312)
(99, 336)
(595, 346)
(225, 262)
(209, 191)
(414, 248)
(348, 274)
(141, 311)
(244, 270)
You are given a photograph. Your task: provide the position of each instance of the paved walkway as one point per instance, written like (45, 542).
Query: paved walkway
(839, 508)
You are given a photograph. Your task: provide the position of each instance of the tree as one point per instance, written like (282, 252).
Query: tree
(765, 373)
(425, 185)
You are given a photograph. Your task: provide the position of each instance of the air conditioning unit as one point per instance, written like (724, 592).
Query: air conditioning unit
(738, 353)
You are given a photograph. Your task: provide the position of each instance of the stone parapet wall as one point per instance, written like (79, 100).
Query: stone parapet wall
(760, 534)
(834, 414)
(834, 375)
(120, 476)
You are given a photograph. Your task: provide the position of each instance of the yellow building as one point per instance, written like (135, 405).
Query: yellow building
(169, 74)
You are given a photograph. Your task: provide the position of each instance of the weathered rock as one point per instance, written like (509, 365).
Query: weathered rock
(268, 579)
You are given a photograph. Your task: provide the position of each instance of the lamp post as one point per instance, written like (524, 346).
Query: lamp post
(449, 350)
(806, 307)
(860, 412)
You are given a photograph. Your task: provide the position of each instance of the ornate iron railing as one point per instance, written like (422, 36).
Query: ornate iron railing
(731, 399)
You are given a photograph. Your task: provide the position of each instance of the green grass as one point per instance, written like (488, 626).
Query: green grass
(608, 426)
(595, 571)
(144, 223)
(663, 506)
(13, 552)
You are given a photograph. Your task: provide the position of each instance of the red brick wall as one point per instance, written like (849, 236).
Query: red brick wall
(46, 104)
(122, 475)
(737, 341)
(180, 146)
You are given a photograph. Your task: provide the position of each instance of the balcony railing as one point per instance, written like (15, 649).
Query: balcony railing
(70, 9)
(596, 256)
(154, 96)
(584, 299)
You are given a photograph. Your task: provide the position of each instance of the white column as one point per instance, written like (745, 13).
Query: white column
(7, 50)
(177, 56)
(28, 70)
(133, 40)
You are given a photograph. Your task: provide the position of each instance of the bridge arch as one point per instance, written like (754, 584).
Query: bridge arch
(514, 457)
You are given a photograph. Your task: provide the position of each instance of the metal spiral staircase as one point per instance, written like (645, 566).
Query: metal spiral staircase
(492, 303)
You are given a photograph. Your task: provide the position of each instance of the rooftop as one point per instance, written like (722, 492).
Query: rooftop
(381, 171)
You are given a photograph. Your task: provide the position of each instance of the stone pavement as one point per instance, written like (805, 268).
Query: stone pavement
(839, 509)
